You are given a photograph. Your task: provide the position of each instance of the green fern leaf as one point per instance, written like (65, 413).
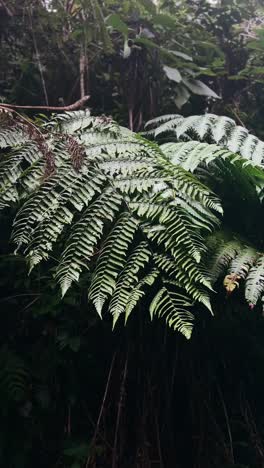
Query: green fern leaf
(172, 307)
(222, 130)
(242, 263)
(137, 292)
(221, 254)
(128, 278)
(255, 282)
(85, 236)
(111, 260)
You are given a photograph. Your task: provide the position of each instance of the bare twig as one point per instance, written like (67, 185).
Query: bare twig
(253, 432)
(227, 424)
(69, 421)
(120, 405)
(234, 111)
(31, 303)
(102, 408)
(19, 295)
(7, 8)
(76, 105)
(161, 464)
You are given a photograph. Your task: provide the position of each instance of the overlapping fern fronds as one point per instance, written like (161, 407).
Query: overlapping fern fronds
(130, 212)
(227, 157)
(212, 128)
(237, 264)
(112, 203)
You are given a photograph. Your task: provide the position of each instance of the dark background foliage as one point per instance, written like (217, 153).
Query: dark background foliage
(74, 393)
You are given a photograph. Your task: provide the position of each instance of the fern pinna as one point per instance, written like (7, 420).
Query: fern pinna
(218, 151)
(109, 202)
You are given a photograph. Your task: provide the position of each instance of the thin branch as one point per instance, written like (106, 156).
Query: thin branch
(229, 432)
(161, 464)
(102, 408)
(76, 105)
(29, 304)
(7, 9)
(7, 298)
(235, 113)
(38, 58)
(120, 405)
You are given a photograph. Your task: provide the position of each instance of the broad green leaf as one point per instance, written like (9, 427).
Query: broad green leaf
(200, 88)
(172, 73)
(165, 21)
(182, 96)
(181, 55)
(117, 23)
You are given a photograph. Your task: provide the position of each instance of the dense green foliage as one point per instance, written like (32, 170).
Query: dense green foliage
(136, 214)
(146, 56)
(105, 183)
(101, 226)
(236, 148)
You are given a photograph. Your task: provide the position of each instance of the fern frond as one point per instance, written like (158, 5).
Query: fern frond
(172, 307)
(191, 154)
(236, 262)
(255, 282)
(128, 278)
(201, 217)
(12, 170)
(71, 122)
(66, 185)
(11, 137)
(84, 238)
(78, 190)
(132, 185)
(127, 212)
(222, 130)
(220, 254)
(138, 292)
(166, 127)
(169, 227)
(187, 276)
(243, 262)
(111, 260)
(161, 119)
(185, 182)
(171, 185)
(46, 235)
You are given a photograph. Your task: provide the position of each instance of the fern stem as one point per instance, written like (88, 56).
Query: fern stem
(120, 405)
(227, 425)
(102, 407)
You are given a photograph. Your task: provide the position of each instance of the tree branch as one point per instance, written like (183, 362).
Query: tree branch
(7, 9)
(76, 105)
